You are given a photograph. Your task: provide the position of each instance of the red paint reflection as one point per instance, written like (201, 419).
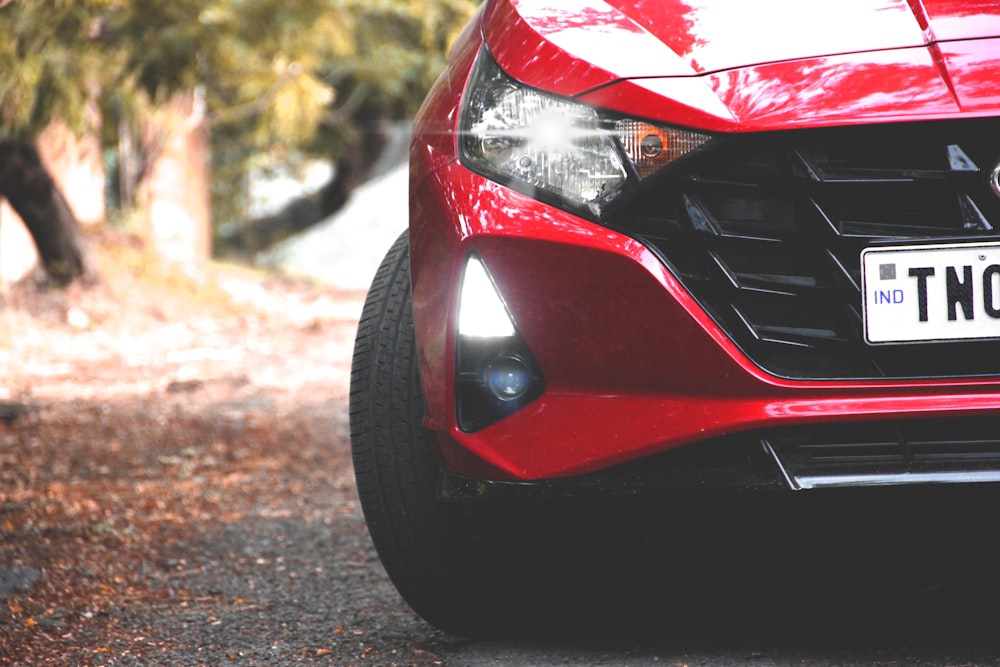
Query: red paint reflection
(961, 19)
(975, 68)
(805, 92)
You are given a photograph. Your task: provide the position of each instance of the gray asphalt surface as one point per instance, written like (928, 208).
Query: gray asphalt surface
(203, 513)
(292, 579)
(851, 590)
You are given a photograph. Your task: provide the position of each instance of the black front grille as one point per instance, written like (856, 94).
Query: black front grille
(966, 449)
(766, 232)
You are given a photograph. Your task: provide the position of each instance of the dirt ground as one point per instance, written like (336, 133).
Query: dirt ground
(175, 483)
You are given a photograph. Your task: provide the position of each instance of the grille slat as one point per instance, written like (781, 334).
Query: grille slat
(804, 335)
(881, 176)
(766, 232)
(902, 452)
(832, 171)
(851, 279)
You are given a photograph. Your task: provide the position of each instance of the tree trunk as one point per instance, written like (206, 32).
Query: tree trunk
(32, 193)
(173, 194)
(76, 163)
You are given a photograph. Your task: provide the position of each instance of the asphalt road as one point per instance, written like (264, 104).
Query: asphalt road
(182, 495)
(281, 571)
(844, 579)
(850, 590)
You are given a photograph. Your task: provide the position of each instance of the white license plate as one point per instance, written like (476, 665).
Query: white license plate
(924, 293)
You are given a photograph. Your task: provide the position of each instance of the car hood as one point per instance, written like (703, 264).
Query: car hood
(579, 47)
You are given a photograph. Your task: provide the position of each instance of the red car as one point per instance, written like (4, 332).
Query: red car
(664, 246)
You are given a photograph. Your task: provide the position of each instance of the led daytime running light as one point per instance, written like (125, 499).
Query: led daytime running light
(481, 312)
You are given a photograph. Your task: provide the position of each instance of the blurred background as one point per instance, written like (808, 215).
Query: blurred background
(209, 129)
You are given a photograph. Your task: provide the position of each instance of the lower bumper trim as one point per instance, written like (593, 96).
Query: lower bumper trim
(913, 452)
(898, 479)
(713, 468)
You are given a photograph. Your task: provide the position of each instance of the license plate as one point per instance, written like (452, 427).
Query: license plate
(930, 293)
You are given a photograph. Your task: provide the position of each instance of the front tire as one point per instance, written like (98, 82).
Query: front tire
(448, 561)
(395, 461)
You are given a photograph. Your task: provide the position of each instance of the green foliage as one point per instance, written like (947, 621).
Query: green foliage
(308, 77)
(277, 76)
(294, 67)
(52, 63)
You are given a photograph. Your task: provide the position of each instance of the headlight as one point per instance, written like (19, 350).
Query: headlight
(557, 149)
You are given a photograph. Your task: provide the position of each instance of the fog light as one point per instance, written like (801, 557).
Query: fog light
(495, 372)
(508, 378)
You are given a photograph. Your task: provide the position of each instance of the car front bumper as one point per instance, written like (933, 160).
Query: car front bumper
(633, 365)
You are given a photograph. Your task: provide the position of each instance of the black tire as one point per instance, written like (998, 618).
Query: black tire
(462, 569)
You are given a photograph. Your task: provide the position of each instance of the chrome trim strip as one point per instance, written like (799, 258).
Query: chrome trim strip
(894, 479)
(784, 473)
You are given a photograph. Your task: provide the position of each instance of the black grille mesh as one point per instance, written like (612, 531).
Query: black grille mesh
(889, 448)
(766, 233)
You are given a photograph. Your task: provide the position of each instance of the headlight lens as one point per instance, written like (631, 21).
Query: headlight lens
(556, 148)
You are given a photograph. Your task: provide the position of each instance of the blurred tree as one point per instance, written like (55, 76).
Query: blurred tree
(276, 78)
(50, 59)
(370, 61)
